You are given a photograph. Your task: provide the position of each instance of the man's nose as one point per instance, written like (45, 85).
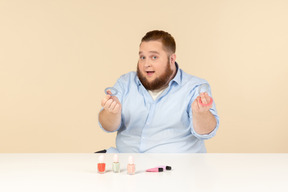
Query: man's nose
(147, 63)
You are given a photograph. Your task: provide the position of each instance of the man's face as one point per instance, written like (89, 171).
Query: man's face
(154, 67)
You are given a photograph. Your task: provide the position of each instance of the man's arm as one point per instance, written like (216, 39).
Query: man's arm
(110, 116)
(204, 121)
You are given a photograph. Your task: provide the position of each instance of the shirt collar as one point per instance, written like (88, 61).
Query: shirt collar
(176, 79)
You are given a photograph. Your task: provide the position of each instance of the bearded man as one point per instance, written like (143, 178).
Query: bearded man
(159, 108)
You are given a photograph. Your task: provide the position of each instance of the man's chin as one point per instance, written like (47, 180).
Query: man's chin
(150, 80)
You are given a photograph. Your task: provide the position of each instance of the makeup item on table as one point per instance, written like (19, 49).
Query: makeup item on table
(116, 164)
(159, 169)
(202, 89)
(156, 169)
(166, 168)
(131, 166)
(101, 165)
(111, 91)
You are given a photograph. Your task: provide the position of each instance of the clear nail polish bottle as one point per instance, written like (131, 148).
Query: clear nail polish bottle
(131, 166)
(116, 164)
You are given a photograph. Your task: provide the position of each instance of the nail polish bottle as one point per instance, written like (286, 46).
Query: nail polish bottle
(101, 164)
(116, 164)
(131, 166)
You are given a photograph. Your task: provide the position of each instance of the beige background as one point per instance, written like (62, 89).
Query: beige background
(56, 58)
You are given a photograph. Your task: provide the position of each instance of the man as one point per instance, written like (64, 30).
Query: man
(159, 109)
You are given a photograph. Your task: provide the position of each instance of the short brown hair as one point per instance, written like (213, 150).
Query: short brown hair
(167, 40)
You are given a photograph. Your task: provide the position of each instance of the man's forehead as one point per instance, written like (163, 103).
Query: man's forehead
(151, 47)
(152, 42)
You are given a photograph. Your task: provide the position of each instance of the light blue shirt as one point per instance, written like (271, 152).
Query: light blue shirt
(164, 125)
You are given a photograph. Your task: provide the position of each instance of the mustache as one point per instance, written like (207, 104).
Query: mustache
(159, 82)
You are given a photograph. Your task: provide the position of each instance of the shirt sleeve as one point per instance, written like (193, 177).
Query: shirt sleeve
(213, 110)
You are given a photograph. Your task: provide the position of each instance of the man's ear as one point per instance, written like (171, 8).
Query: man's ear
(172, 58)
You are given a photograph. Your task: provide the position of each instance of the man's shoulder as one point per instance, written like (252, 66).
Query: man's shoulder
(128, 77)
(191, 79)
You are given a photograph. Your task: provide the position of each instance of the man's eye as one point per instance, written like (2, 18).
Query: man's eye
(154, 57)
(142, 57)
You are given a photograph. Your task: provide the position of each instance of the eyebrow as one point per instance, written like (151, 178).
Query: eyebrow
(155, 52)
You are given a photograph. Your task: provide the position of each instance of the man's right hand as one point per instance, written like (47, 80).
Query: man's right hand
(110, 116)
(111, 104)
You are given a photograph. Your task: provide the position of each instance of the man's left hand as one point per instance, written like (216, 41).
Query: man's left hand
(196, 105)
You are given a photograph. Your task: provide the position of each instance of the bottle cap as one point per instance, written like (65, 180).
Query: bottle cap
(101, 159)
(115, 158)
(130, 160)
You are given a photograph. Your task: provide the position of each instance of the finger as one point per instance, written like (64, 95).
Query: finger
(109, 92)
(195, 104)
(116, 108)
(112, 106)
(207, 97)
(208, 100)
(203, 98)
(108, 97)
(104, 100)
(200, 103)
(115, 98)
(107, 104)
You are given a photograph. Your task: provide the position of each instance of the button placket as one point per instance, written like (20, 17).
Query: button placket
(147, 125)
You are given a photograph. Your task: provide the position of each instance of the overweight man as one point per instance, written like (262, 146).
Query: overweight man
(159, 108)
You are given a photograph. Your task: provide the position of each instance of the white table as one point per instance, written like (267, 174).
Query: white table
(191, 172)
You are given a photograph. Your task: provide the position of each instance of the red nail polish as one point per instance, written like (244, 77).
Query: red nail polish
(101, 164)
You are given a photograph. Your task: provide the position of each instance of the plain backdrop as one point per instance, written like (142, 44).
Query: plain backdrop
(58, 56)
